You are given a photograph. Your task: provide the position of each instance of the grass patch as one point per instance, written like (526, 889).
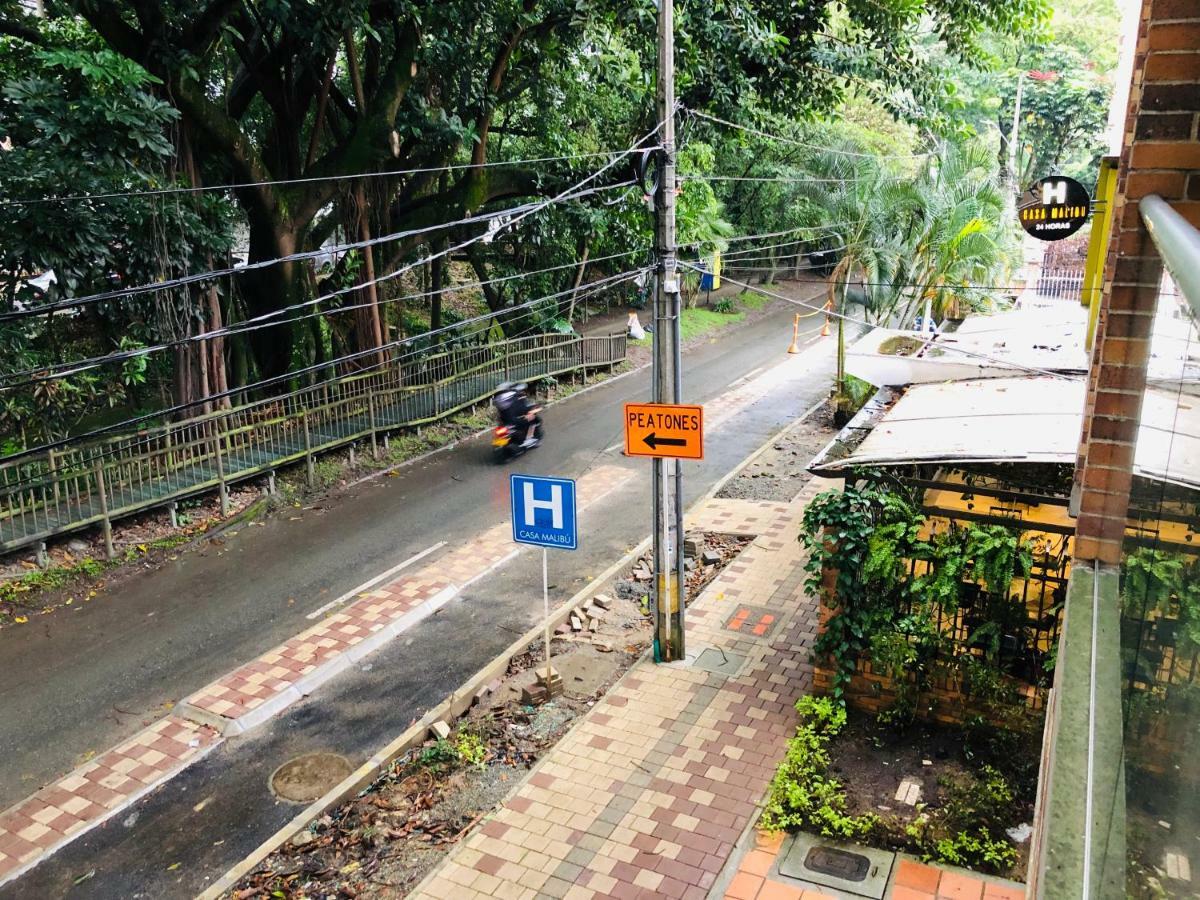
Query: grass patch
(697, 323)
(753, 299)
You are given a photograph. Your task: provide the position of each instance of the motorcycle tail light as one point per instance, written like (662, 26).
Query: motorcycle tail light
(501, 431)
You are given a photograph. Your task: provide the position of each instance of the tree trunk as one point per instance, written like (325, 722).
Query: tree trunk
(583, 260)
(437, 281)
(370, 332)
(268, 289)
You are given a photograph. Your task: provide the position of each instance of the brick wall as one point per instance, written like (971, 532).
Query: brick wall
(1161, 155)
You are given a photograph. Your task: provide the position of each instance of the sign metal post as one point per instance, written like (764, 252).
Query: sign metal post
(544, 515)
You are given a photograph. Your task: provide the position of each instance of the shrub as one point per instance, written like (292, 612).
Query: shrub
(724, 305)
(802, 793)
(471, 748)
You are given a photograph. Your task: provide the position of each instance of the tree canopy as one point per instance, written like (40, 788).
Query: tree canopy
(340, 121)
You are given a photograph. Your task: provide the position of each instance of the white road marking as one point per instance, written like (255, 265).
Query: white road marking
(367, 585)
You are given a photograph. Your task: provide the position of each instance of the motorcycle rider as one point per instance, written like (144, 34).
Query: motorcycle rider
(526, 414)
(516, 412)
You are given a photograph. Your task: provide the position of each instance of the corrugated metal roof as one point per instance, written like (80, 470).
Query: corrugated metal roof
(1034, 419)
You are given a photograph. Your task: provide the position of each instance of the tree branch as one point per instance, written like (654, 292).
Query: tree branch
(24, 32)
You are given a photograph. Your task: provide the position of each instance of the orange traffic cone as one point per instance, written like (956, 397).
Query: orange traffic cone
(825, 329)
(795, 348)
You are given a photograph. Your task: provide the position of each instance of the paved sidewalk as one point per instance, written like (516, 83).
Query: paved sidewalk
(653, 792)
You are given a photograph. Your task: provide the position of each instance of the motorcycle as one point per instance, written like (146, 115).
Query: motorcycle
(505, 444)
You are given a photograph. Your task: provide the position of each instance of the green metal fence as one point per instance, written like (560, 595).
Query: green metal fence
(96, 482)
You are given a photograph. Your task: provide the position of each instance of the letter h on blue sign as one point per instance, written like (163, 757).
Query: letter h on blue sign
(543, 511)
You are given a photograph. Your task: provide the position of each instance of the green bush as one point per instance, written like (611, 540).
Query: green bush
(724, 305)
(471, 748)
(802, 793)
(975, 850)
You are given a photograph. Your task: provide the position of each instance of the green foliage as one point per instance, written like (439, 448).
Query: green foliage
(969, 829)
(1166, 582)
(440, 754)
(975, 850)
(868, 534)
(863, 533)
(802, 794)
(471, 748)
(724, 305)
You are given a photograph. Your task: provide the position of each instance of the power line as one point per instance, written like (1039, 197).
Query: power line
(850, 319)
(786, 231)
(119, 293)
(736, 254)
(64, 370)
(794, 179)
(586, 290)
(45, 373)
(774, 137)
(311, 180)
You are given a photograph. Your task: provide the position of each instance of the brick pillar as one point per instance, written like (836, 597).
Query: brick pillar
(1161, 155)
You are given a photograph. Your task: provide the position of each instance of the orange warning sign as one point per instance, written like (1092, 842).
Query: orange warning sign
(664, 430)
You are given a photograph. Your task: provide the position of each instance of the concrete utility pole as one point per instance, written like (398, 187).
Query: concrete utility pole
(668, 478)
(1014, 138)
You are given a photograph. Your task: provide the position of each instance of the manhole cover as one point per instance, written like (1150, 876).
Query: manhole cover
(855, 871)
(719, 662)
(839, 863)
(308, 777)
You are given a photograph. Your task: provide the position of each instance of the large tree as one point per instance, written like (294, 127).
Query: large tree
(272, 90)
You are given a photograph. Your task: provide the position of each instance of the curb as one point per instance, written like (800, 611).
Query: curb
(304, 686)
(460, 700)
(108, 815)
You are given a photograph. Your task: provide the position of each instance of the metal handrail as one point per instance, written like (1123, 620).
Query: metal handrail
(1178, 243)
(72, 486)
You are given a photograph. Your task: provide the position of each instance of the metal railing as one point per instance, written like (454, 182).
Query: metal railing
(1061, 282)
(95, 482)
(1178, 244)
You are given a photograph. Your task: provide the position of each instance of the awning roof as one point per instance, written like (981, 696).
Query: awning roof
(1000, 420)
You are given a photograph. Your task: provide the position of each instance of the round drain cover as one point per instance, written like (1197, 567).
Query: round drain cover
(308, 777)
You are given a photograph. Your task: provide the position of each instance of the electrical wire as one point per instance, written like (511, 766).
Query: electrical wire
(258, 322)
(449, 249)
(119, 293)
(786, 231)
(65, 370)
(866, 324)
(774, 137)
(768, 178)
(155, 192)
(584, 291)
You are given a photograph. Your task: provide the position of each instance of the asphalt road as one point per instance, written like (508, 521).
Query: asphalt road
(72, 683)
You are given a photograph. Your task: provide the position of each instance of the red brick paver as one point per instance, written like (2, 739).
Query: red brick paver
(39, 825)
(652, 790)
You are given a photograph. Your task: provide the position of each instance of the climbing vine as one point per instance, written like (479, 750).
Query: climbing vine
(867, 537)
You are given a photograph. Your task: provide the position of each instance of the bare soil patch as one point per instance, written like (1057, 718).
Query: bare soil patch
(780, 472)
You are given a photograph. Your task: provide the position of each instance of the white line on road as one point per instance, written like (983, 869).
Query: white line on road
(367, 585)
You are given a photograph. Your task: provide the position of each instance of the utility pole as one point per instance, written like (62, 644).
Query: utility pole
(1013, 141)
(669, 597)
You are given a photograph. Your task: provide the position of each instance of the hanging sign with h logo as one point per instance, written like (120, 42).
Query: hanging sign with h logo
(1054, 208)
(543, 511)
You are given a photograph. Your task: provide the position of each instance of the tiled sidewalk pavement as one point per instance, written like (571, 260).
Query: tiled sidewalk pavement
(96, 790)
(44, 822)
(648, 795)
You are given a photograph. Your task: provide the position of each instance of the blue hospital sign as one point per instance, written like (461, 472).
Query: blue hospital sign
(543, 511)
